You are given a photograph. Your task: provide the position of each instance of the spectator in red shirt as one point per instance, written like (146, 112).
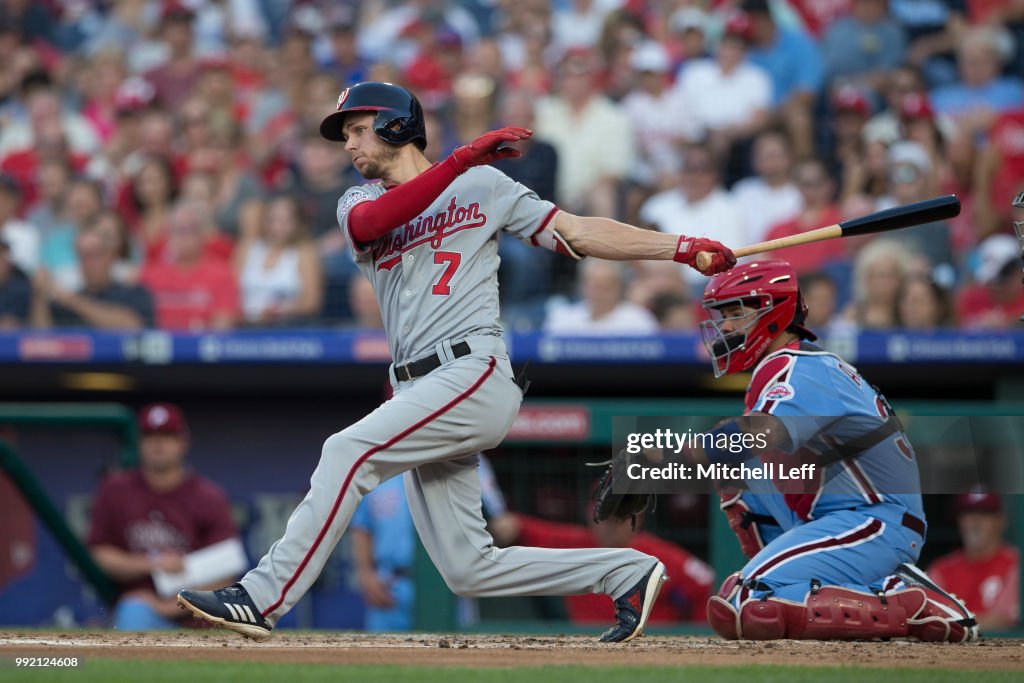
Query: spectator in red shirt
(985, 573)
(191, 290)
(147, 519)
(433, 70)
(996, 300)
(818, 191)
(1000, 170)
(684, 598)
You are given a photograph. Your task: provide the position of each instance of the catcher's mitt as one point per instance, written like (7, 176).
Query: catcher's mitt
(616, 495)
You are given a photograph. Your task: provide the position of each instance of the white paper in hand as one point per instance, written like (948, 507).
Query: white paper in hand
(218, 562)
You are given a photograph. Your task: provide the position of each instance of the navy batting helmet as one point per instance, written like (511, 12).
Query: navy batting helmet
(399, 117)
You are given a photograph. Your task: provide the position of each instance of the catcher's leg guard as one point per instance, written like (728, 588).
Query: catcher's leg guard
(722, 616)
(836, 613)
(831, 613)
(943, 617)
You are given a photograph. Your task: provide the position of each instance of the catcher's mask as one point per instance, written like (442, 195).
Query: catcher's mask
(399, 117)
(749, 307)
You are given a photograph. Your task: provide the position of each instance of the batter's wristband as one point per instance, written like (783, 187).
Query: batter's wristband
(684, 250)
(727, 444)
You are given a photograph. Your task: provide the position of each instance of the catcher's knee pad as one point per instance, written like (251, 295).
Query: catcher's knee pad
(941, 618)
(831, 613)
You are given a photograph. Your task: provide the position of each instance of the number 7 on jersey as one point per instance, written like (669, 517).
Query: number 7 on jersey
(453, 259)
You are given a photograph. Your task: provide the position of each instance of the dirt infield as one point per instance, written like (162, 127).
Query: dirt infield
(509, 651)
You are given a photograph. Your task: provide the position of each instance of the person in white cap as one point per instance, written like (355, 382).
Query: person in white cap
(912, 178)
(691, 31)
(996, 300)
(660, 117)
(729, 96)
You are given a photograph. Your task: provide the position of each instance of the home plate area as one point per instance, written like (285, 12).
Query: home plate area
(486, 650)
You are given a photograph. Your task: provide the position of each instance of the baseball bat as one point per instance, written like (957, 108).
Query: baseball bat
(918, 213)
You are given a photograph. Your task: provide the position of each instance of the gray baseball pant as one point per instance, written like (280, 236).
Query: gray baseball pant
(431, 430)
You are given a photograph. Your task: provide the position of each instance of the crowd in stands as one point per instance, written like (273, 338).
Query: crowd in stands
(160, 162)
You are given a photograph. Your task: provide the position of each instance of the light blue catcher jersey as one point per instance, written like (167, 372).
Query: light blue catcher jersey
(824, 403)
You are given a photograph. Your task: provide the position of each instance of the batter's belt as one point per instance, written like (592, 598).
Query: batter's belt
(418, 368)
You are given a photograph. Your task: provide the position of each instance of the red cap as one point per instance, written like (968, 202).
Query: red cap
(414, 28)
(916, 106)
(162, 418)
(850, 98)
(175, 9)
(979, 500)
(739, 25)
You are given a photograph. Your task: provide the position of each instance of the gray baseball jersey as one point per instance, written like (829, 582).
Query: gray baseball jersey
(436, 277)
(436, 280)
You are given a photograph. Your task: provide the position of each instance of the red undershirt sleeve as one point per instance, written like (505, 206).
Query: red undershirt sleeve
(369, 221)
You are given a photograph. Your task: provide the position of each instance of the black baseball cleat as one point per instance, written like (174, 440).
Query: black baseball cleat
(633, 608)
(229, 607)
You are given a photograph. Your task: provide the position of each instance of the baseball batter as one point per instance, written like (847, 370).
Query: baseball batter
(830, 558)
(426, 237)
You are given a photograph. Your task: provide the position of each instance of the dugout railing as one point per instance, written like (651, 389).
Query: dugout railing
(58, 416)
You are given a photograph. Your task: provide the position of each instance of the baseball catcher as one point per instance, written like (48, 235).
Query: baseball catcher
(831, 557)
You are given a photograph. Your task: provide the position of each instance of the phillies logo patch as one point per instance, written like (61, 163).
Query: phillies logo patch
(342, 97)
(780, 392)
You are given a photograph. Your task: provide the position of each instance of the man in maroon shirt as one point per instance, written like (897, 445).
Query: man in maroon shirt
(175, 79)
(147, 519)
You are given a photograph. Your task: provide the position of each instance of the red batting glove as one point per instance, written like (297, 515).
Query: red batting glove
(722, 258)
(487, 148)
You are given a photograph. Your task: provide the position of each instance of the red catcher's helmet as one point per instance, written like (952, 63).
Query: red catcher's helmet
(766, 297)
(399, 117)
